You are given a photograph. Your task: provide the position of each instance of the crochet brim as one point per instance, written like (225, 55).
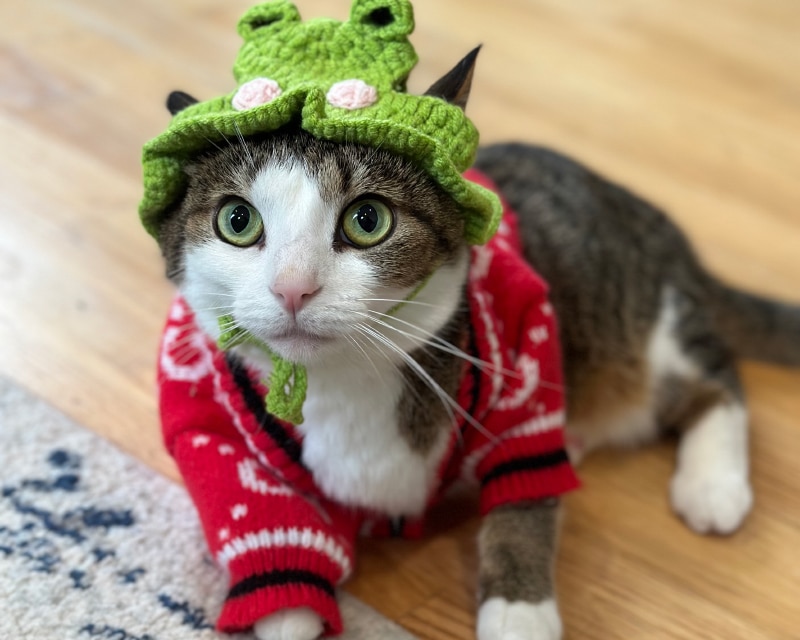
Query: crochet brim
(202, 126)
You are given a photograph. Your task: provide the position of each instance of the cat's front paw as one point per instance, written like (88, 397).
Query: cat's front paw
(290, 624)
(711, 502)
(499, 619)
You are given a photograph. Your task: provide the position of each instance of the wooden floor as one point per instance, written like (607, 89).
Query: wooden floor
(695, 103)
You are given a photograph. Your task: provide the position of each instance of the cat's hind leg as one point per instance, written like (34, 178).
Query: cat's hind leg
(700, 398)
(517, 546)
(710, 489)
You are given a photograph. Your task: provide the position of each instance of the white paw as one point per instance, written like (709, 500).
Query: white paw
(499, 619)
(290, 624)
(711, 501)
(576, 448)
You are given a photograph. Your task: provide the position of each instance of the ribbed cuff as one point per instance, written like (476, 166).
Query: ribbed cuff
(303, 589)
(278, 568)
(521, 469)
(524, 479)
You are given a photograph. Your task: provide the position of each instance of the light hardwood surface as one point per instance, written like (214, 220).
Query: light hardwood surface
(693, 103)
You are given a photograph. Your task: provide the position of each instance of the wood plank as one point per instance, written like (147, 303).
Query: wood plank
(694, 103)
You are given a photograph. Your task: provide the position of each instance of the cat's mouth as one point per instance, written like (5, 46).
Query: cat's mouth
(299, 345)
(300, 335)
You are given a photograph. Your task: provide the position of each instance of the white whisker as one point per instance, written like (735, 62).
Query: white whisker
(354, 340)
(436, 342)
(226, 308)
(215, 293)
(186, 325)
(378, 338)
(213, 143)
(416, 302)
(407, 382)
(449, 404)
(551, 385)
(404, 379)
(183, 342)
(243, 335)
(224, 137)
(185, 355)
(246, 147)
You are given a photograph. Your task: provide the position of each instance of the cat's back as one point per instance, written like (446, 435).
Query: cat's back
(607, 254)
(566, 202)
(581, 231)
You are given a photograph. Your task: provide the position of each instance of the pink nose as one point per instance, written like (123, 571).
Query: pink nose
(294, 294)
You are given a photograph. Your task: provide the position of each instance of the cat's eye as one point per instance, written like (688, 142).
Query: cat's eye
(367, 222)
(239, 223)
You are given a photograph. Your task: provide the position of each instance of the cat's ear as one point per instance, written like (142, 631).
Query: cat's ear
(178, 101)
(455, 86)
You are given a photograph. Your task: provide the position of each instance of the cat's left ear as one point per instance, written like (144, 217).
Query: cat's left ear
(179, 100)
(455, 86)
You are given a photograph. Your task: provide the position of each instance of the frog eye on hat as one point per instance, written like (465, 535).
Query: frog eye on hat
(268, 15)
(386, 18)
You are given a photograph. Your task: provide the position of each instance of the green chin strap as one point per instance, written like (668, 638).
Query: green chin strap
(288, 382)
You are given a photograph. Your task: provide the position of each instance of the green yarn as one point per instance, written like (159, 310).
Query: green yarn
(288, 382)
(305, 60)
(288, 385)
(230, 335)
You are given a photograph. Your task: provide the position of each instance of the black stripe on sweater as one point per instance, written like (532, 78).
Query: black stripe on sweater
(255, 404)
(280, 578)
(530, 463)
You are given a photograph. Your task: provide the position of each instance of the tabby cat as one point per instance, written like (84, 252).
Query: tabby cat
(649, 338)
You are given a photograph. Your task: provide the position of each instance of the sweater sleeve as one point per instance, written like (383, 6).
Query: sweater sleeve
(526, 458)
(521, 454)
(281, 547)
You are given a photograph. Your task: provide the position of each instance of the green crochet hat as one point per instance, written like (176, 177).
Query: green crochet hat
(341, 81)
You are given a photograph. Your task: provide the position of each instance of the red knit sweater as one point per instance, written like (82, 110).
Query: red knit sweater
(282, 541)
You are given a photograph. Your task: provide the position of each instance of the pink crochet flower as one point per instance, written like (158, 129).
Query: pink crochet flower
(352, 94)
(255, 93)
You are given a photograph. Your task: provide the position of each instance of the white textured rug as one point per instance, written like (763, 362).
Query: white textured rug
(93, 545)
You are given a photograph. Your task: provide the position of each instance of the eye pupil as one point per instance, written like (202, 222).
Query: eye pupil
(240, 218)
(366, 223)
(239, 223)
(367, 218)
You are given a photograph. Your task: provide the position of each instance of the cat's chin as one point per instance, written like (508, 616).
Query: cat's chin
(303, 348)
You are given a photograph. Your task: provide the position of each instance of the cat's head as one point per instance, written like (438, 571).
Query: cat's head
(339, 81)
(310, 245)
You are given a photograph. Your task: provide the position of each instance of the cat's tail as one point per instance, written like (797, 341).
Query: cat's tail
(757, 327)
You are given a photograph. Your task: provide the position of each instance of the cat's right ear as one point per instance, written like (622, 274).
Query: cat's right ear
(455, 86)
(178, 101)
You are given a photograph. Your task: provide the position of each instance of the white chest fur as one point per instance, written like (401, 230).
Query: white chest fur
(353, 444)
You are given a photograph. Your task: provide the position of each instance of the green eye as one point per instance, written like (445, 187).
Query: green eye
(367, 222)
(239, 223)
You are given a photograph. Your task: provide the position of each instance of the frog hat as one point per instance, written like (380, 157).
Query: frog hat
(340, 81)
